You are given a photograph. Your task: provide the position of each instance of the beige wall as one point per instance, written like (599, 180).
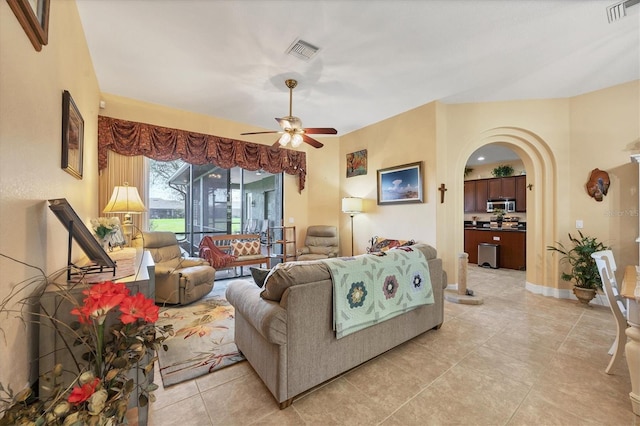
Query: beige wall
(559, 141)
(31, 86)
(402, 139)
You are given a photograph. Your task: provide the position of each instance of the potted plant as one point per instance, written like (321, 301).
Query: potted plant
(502, 170)
(582, 267)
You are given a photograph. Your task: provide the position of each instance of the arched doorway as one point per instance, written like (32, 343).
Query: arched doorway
(542, 201)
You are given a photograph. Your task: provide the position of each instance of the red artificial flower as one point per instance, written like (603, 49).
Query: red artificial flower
(82, 393)
(101, 298)
(138, 306)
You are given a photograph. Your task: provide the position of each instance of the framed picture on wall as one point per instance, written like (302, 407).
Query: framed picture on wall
(72, 136)
(400, 184)
(357, 163)
(33, 16)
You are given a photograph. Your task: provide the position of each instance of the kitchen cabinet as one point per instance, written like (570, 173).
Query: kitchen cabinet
(481, 195)
(513, 246)
(501, 188)
(521, 194)
(470, 196)
(477, 192)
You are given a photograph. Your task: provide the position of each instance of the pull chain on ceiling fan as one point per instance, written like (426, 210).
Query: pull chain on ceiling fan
(292, 130)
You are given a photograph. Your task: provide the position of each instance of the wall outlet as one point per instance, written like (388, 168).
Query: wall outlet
(579, 224)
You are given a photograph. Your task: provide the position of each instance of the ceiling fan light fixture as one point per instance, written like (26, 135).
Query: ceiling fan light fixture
(296, 141)
(285, 139)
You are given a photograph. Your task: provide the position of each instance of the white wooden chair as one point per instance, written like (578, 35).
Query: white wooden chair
(607, 267)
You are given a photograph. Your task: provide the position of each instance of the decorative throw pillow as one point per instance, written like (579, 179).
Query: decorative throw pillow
(245, 248)
(379, 244)
(259, 275)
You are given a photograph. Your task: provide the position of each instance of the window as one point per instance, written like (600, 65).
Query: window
(196, 200)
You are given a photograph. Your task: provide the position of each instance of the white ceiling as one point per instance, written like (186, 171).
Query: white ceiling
(377, 59)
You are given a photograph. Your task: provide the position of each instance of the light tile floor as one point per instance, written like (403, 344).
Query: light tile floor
(517, 359)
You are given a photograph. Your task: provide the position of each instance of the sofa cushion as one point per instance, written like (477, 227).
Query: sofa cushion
(245, 248)
(379, 244)
(259, 275)
(285, 275)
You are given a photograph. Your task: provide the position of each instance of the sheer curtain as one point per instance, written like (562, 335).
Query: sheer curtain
(125, 169)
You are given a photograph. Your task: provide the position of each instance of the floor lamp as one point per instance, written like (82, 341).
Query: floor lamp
(352, 206)
(125, 199)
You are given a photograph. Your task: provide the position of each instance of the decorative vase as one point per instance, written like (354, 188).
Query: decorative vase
(584, 295)
(105, 244)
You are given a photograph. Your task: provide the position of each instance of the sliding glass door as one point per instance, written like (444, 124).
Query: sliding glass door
(196, 200)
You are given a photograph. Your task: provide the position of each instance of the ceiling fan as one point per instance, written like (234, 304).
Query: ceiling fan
(292, 130)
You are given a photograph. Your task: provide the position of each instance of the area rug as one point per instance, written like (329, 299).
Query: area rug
(203, 340)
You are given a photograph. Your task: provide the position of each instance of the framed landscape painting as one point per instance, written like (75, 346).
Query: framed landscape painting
(357, 163)
(400, 184)
(72, 136)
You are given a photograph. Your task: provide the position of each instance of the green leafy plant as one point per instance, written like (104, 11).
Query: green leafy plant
(582, 267)
(502, 170)
(468, 171)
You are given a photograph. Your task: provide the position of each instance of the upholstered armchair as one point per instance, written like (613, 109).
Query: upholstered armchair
(321, 242)
(179, 279)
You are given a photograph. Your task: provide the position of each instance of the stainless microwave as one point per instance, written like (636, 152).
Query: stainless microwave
(508, 206)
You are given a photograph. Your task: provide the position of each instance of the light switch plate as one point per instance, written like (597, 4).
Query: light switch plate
(579, 224)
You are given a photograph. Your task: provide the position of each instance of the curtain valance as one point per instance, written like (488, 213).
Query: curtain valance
(164, 144)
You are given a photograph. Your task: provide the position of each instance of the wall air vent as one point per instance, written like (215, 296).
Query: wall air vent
(302, 49)
(618, 11)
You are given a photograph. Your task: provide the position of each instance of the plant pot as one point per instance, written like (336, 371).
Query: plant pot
(584, 295)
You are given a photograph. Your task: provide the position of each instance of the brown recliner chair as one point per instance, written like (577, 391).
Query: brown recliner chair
(179, 279)
(321, 243)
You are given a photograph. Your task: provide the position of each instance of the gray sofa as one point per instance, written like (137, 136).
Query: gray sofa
(289, 340)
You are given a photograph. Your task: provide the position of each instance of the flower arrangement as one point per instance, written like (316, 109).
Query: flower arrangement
(117, 335)
(104, 226)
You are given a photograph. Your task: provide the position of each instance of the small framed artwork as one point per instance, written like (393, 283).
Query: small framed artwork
(33, 16)
(72, 136)
(357, 163)
(400, 184)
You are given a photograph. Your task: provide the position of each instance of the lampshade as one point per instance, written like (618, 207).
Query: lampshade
(125, 199)
(284, 139)
(352, 205)
(296, 141)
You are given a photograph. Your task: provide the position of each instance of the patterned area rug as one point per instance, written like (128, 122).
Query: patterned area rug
(203, 340)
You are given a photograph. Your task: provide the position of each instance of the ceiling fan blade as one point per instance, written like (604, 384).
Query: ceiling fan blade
(314, 143)
(260, 133)
(321, 131)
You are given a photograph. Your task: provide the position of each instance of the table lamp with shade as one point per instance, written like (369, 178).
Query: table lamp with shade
(352, 206)
(125, 199)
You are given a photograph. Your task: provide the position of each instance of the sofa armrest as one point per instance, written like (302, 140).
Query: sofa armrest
(303, 250)
(266, 316)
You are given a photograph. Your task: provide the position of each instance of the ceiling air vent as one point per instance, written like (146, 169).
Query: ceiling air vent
(302, 49)
(619, 10)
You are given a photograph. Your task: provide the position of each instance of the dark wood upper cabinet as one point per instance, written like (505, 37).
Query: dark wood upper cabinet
(470, 196)
(500, 188)
(521, 194)
(482, 194)
(478, 191)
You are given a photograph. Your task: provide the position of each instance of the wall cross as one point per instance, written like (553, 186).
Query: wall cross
(442, 190)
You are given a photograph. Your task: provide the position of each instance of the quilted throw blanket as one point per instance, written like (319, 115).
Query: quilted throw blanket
(368, 289)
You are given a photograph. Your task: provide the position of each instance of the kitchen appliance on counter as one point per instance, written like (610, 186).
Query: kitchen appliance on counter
(507, 206)
(508, 222)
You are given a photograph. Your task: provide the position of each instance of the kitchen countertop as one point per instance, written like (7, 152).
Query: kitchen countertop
(481, 228)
